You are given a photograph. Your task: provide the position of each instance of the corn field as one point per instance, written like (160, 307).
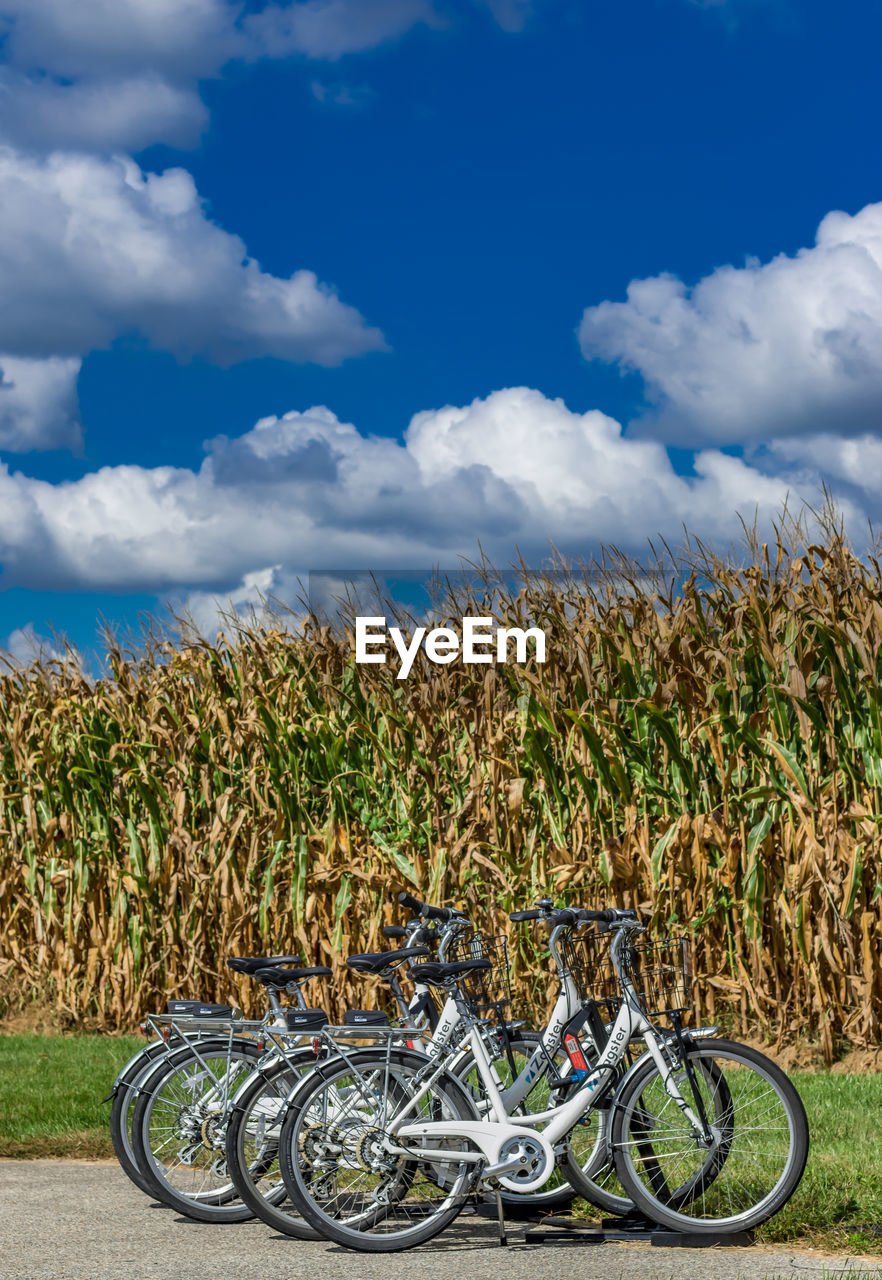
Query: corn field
(706, 747)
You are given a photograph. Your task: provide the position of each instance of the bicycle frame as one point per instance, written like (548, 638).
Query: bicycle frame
(566, 1006)
(206, 1031)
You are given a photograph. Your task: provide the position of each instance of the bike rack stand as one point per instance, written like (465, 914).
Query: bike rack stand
(631, 1226)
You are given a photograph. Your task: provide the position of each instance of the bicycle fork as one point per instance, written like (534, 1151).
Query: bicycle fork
(702, 1131)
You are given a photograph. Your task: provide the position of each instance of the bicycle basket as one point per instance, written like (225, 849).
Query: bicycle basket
(661, 972)
(491, 988)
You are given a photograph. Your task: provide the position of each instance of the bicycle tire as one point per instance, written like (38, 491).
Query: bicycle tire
(206, 1205)
(279, 1077)
(448, 1096)
(598, 1181)
(122, 1109)
(744, 1166)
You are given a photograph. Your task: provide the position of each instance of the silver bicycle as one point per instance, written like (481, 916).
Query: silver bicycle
(381, 1149)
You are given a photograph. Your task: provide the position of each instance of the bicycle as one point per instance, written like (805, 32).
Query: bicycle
(179, 1115)
(380, 1150)
(256, 1111)
(126, 1087)
(251, 1144)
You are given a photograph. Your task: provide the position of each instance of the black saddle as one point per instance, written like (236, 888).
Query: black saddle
(377, 961)
(250, 964)
(436, 974)
(275, 977)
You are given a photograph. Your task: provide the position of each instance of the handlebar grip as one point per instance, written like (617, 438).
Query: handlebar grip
(518, 916)
(565, 917)
(408, 900)
(425, 910)
(437, 913)
(394, 931)
(609, 916)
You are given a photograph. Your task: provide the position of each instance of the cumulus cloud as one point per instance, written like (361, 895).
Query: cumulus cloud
(195, 38)
(98, 37)
(308, 491)
(252, 602)
(110, 74)
(853, 464)
(792, 345)
(38, 404)
(93, 249)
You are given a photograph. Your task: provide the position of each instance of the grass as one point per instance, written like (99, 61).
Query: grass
(842, 1187)
(50, 1106)
(50, 1094)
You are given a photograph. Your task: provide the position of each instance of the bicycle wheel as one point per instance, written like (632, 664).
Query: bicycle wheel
(337, 1166)
(179, 1128)
(125, 1095)
(252, 1144)
(757, 1150)
(597, 1179)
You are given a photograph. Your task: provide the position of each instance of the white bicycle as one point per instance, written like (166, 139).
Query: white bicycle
(381, 1148)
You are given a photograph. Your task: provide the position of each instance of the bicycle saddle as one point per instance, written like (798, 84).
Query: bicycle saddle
(251, 964)
(275, 977)
(377, 961)
(436, 974)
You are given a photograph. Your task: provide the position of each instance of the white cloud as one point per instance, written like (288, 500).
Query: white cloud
(854, 462)
(93, 249)
(101, 36)
(38, 404)
(194, 38)
(101, 114)
(308, 491)
(254, 602)
(794, 345)
(25, 645)
(328, 29)
(111, 74)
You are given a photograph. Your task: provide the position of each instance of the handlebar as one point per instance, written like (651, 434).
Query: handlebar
(415, 933)
(565, 916)
(428, 912)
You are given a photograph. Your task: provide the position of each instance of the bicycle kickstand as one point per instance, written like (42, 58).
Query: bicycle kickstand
(500, 1212)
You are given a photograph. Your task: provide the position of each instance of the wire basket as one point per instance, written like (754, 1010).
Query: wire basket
(660, 971)
(491, 988)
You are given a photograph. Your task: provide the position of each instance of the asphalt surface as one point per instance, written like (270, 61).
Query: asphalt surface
(65, 1220)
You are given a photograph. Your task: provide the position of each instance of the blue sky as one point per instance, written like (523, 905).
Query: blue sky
(500, 271)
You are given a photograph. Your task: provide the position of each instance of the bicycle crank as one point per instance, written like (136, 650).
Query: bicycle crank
(523, 1162)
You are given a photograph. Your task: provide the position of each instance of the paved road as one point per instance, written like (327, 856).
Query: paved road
(62, 1220)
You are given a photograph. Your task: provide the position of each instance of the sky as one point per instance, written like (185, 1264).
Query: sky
(369, 283)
